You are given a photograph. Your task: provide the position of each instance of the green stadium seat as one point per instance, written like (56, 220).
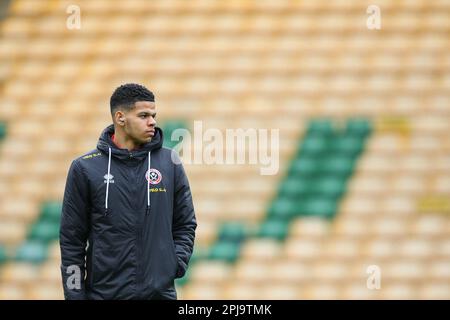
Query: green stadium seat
(44, 231)
(2, 130)
(51, 211)
(32, 251)
(225, 250)
(274, 228)
(359, 127)
(304, 166)
(325, 207)
(199, 253)
(283, 208)
(320, 127)
(330, 187)
(347, 144)
(295, 187)
(314, 145)
(3, 255)
(340, 165)
(234, 231)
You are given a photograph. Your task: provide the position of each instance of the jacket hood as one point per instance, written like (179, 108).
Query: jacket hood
(105, 142)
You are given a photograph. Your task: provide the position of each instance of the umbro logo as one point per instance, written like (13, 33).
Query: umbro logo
(111, 178)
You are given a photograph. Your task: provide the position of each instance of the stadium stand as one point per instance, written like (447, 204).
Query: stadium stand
(364, 119)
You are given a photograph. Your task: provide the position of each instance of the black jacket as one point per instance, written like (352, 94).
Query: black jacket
(123, 235)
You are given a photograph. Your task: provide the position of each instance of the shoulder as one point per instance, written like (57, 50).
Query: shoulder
(166, 150)
(85, 159)
(89, 155)
(171, 155)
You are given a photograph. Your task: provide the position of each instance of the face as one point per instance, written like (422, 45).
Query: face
(139, 123)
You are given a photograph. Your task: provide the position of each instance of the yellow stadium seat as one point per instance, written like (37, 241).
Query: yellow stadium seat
(251, 272)
(358, 290)
(322, 291)
(213, 272)
(12, 292)
(50, 273)
(406, 270)
(238, 290)
(278, 292)
(428, 225)
(12, 231)
(416, 248)
(260, 249)
(309, 228)
(206, 232)
(45, 291)
(342, 249)
(379, 248)
(305, 249)
(285, 271)
(434, 290)
(20, 209)
(18, 273)
(202, 291)
(396, 291)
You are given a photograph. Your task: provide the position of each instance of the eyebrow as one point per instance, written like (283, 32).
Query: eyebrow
(146, 113)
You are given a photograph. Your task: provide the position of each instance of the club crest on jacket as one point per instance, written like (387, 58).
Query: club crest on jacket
(153, 176)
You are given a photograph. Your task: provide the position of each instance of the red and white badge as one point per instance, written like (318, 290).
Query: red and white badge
(153, 176)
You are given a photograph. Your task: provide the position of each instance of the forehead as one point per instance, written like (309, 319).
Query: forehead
(144, 106)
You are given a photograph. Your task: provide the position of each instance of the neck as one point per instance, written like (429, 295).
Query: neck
(123, 142)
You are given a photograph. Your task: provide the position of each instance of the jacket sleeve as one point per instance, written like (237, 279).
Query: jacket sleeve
(74, 233)
(184, 220)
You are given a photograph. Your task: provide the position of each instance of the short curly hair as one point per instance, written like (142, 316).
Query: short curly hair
(127, 94)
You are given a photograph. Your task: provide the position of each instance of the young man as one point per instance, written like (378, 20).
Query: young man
(128, 221)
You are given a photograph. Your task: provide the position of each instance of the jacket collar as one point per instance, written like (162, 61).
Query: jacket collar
(105, 142)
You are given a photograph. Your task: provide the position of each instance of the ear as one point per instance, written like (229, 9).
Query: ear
(119, 118)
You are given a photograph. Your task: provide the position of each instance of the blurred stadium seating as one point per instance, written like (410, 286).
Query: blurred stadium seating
(364, 119)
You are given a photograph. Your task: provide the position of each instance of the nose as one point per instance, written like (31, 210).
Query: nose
(152, 122)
